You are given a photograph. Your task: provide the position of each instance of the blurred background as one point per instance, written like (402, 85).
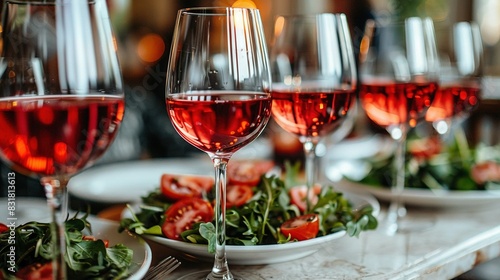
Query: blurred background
(143, 29)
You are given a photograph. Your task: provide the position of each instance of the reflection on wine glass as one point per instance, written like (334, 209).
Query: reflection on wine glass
(314, 79)
(460, 79)
(61, 99)
(217, 94)
(398, 82)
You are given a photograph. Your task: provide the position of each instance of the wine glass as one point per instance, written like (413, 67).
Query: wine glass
(314, 80)
(217, 94)
(61, 97)
(398, 75)
(460, 78)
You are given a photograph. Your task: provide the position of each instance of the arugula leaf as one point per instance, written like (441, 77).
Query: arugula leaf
(85, 259)
(145, 222)
(207, 231)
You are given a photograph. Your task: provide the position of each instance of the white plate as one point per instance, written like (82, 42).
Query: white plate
(35, 209)
(128, 181)
(266, 254)
(426, 198)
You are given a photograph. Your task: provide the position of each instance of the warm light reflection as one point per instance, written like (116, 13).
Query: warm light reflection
(150, 47)
(278, 26)
(39, 164)
(120, 112)
(364, 46)
(60, 152)
(382, 117)
(21, 147)
(244, 4)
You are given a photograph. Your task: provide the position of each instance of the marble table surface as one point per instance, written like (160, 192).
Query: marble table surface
(443, 244)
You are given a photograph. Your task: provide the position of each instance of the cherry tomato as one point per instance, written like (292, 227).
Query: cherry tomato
(425, 148)
(3, 228)
(302, 227)
(298, 196)
(485, 171)
(247, 172)
(238, 195)
(36, 272)
(176, 187)
(181, 216)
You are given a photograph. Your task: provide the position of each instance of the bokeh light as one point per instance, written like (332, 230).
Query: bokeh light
(150, 47)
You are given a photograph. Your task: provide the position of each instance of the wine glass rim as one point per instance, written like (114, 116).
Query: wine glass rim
(311, 15)
(43, 2)
(393, 20)
(212, 11)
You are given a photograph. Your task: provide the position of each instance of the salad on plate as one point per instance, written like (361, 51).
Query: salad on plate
(262, 207)
(87, 257)
(432, 164)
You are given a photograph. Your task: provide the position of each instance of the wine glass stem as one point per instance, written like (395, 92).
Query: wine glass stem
(310, 160)
(397, 208)
(55, 192)
(220, 269)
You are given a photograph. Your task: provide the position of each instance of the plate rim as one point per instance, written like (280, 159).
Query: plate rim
(423, 197)
(80, 184)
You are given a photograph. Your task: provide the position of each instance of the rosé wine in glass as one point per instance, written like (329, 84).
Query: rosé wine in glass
(217, 96)
(314, 80)
(399, 81)
(61, 97)
(219, 122)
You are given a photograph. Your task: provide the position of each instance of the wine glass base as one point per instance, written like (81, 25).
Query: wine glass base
(206, 275)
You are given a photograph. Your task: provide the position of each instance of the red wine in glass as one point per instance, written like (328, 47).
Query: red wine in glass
(460, 78)
(394, 103)
(397, 106)
(311, 113)
(217, 96)
(61, 97)
(58, 134)
(453, 100)
(219, 122)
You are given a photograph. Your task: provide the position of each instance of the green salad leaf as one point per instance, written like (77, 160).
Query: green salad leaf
(85, 258)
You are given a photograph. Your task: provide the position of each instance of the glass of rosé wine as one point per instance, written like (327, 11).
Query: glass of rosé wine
(61, 96)
(217, 95)
(314, 81)
(460, 78)
(398, 82)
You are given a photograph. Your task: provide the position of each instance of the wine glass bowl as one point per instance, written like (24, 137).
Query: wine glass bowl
(61, 97)
(314, 79)
(217, 95)
(460, 78)
(398, 75)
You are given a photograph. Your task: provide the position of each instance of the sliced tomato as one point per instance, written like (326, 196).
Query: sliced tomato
(248, 172)
(36, 272)
(298, 196)
(302, 227)
(238, 195)
(176, 187)
(181, 216)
